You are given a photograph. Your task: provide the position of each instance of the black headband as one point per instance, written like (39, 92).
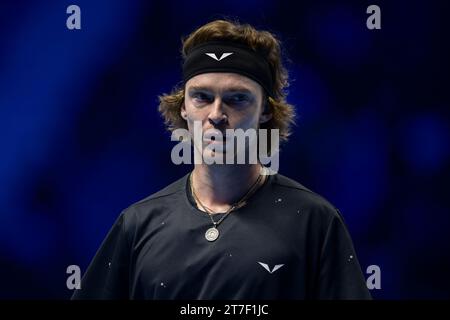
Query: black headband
(222, 56)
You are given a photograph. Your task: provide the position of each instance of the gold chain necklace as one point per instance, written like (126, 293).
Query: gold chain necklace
(213, 233)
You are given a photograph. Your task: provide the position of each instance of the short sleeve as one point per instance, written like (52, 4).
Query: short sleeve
(108, 273)
(340, 274)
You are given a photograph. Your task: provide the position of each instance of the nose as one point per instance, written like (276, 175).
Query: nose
(217, 116)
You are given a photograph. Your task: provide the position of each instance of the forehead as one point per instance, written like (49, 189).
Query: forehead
(220, 81)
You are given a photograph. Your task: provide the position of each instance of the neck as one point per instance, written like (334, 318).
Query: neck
(220, 186)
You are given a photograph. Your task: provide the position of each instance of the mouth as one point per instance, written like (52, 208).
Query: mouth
(215, 137)
(215, 143)
(213, 140)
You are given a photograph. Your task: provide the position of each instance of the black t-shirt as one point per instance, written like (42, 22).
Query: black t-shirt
(285, 243)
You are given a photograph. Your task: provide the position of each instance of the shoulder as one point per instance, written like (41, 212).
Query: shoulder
(160, 201)
(308, 201)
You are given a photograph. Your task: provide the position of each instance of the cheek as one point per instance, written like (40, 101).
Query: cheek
(193, 116)
(249, 120)
(194, 107)
(192, 113)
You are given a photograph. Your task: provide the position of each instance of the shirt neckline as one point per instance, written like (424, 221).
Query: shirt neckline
(189, 199)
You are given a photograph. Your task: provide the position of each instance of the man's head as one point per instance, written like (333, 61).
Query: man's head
(249, 98)
(222, 101)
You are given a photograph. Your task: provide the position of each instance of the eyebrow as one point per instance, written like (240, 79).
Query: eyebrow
(231, 89)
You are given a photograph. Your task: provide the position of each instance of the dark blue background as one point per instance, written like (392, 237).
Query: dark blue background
(81, 138)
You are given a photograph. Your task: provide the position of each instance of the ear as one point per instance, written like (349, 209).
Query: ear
(266, 115)
(183, 111)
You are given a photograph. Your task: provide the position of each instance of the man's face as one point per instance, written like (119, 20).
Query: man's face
(223, 101)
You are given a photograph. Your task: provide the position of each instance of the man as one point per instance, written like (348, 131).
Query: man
(228, 230)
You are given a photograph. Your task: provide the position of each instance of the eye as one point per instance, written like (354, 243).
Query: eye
(200, 97)
(238, 98)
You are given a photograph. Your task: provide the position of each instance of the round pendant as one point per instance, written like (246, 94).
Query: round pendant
(212, 234)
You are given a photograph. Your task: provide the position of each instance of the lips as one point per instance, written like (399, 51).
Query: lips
(213, 136)
(214, 139)
(210, 141)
